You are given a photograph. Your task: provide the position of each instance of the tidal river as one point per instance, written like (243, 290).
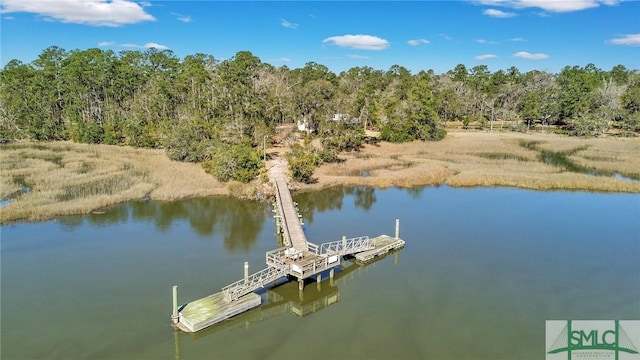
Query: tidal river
(482, 271)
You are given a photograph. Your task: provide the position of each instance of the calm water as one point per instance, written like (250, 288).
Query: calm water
(481, 272)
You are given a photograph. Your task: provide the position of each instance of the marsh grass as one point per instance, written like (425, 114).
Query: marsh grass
(503, 156)
(492, 159)
(44, 180)
(65, 178)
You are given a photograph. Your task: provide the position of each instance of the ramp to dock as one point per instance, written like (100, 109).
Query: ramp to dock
(253, 282)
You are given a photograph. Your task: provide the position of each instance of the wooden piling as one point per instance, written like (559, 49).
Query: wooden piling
(397, 229)
(246, 270)
(174, 313)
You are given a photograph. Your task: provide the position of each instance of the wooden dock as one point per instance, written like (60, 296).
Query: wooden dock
(383, 245)
(291, 227)
(298, 259)
(213, 309)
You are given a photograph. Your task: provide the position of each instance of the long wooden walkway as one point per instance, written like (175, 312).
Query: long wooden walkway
(299, 259)
(290, 220)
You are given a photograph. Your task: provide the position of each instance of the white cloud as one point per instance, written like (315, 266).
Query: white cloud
(281, 60)
(556, 6)
(89, 12)
(445, 36)
(182, 17)
(288, 25)
(485, 57)
(417, 42)
(630, 40)
(106, 43)
(148, 45)
(498, 13)
(494, 42)
(358, 57)
(542, 14)
(155, 45)
(559, 6)
(362, 42)
(529, 56)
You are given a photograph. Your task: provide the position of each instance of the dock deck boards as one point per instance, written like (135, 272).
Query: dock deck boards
(291, 222)
(212, 309)
(384, 244)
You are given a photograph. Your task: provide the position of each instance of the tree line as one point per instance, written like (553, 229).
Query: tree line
(201, 109)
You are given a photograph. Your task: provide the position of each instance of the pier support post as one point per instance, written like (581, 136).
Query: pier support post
(300, 284)
(318, 281)
(344, 242)
(246, 271)
(397, 229)
(174, 313)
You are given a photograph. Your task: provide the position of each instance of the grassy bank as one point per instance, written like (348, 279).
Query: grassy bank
(44, 180)
(493, 159)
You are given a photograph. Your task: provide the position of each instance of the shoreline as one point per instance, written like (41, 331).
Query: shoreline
(487, 159)
(48, 180)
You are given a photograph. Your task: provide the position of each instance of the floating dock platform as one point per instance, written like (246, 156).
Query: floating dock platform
(383, 245)
(210, 310)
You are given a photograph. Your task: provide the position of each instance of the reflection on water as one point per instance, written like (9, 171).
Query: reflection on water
(239, 221)
(561, 160)
(331, 199)
(285, 298)
(482, 270)
(24, 189)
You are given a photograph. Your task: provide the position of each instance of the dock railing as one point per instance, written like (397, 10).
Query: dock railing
(321, 263)
(313, 248)
(275, 258)
(347, 246)
(261, 278)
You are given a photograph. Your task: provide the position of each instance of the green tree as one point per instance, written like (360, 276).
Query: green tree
(48, 89)
(234, 162)
(22, 112)
(302, 162)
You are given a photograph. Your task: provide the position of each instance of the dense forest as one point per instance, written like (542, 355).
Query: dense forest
(220, 113)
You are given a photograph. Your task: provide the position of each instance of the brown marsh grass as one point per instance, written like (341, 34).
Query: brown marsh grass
(50, 179)
(468, 159)
(45, 180)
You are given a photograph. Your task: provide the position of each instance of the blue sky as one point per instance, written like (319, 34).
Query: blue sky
(419, 35)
